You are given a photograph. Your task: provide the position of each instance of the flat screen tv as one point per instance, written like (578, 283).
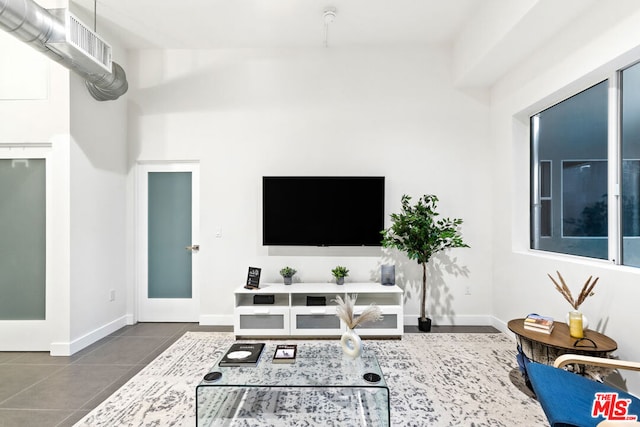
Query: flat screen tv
(322, 211)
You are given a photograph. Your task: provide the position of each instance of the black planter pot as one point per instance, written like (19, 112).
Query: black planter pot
(424, 325)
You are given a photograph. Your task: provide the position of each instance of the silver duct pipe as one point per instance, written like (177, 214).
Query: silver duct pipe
(36, 26)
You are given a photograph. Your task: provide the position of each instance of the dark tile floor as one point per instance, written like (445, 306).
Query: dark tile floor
(40, 390)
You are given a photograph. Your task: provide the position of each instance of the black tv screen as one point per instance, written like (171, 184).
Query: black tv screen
(322, 211)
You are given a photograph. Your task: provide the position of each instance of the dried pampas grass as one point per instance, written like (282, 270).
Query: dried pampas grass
(345, 312)
(587, 290)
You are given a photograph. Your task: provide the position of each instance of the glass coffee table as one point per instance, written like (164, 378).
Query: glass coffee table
(322, 387)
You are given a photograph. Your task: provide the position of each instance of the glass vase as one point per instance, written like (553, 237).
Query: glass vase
(575, 324)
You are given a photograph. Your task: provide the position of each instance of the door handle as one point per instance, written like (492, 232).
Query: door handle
(193, 248)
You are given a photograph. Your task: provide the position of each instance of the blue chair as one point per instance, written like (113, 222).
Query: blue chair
(572, 400)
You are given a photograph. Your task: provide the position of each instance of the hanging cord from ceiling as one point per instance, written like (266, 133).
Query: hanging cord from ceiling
(328, 17)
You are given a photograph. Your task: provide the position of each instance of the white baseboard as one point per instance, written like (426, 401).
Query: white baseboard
(500, 325)
(216, 320)
(130, 319)
(69, 348)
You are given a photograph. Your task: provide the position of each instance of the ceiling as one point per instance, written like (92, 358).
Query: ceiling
(486, 37)
(205, 24)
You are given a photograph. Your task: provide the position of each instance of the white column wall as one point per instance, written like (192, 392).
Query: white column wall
(245, 114)
(100, 231)
(98, 216)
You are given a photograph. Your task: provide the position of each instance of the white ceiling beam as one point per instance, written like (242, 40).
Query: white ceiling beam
(506, 32)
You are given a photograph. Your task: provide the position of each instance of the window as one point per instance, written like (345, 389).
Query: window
(545, 198)
(584, 199)
(570, 156)
(569, 175)
(630, 148)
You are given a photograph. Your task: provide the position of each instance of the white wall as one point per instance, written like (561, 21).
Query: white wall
(98, 215)
(244, 114)
(599, 42)
(100, 234)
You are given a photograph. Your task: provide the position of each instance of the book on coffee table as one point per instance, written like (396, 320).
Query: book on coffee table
(285, 353)
(242, 354)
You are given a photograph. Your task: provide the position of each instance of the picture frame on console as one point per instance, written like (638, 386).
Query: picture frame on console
(253, 278)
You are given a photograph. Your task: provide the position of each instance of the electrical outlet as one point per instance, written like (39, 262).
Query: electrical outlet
(112, 295)
(467, 290)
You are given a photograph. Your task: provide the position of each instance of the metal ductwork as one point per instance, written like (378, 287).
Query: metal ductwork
(50, 33)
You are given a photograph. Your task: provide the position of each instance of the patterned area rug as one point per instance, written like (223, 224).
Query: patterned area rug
(434, 379)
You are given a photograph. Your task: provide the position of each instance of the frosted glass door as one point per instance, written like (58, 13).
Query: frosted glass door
(168, 231)
(22, 241)
(169, 235)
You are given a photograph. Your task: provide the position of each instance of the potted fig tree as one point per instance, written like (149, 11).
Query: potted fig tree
(418, 232)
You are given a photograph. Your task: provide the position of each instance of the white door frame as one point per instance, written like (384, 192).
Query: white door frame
(165, 309)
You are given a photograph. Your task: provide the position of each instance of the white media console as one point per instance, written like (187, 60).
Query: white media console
(291, 315)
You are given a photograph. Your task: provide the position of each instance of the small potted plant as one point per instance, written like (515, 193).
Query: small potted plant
(340, 273)
(287, 273)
